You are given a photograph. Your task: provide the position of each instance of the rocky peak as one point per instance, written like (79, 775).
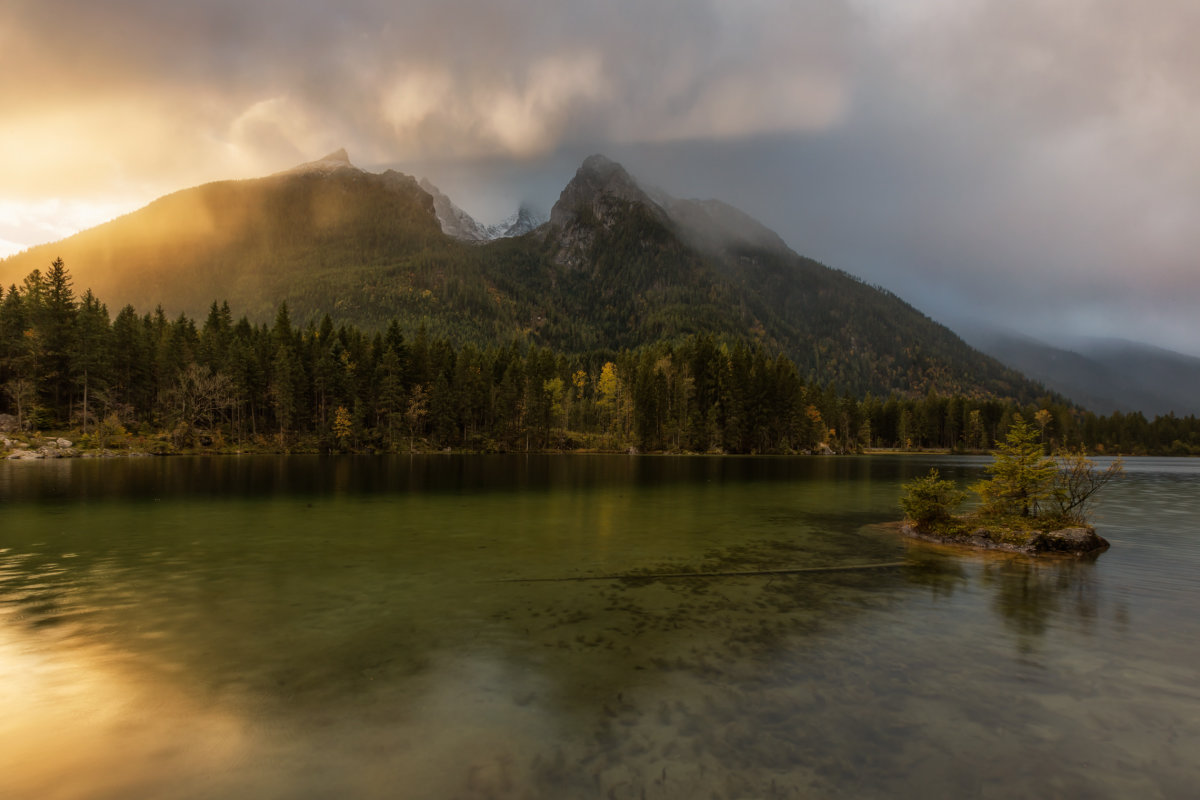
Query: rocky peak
(337, 160)
(524, 220)
(454, 221)
(459, 224)
(596, 184)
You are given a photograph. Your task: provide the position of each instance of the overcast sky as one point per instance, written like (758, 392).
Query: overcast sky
(1030, 163)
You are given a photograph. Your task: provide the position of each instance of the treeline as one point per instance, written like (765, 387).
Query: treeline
(65, 362)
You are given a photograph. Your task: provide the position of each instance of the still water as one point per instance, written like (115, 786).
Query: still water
(415, 628)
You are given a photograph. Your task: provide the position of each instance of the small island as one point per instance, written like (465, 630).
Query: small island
(1033, 503)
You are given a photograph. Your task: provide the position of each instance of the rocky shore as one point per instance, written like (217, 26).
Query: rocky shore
(54, 448)
(1075, 541)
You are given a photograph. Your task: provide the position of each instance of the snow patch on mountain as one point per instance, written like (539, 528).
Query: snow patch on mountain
(462, 226)
(524, 220)
(454, 221)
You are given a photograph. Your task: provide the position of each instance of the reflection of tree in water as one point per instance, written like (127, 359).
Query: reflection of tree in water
(1027, 594)
(937, 573)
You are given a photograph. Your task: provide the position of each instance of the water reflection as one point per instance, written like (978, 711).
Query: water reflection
(336, 630)
(1030, 596)
(74, 481)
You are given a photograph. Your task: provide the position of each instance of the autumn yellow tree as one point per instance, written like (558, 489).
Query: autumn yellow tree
(608, 392)
(343, 427)
(1042, 418)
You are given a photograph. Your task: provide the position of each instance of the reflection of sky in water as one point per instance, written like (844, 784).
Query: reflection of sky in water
(304, 636)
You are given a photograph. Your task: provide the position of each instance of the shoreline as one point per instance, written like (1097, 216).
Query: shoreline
(67, 444)
(1077, 541)
(42, 452)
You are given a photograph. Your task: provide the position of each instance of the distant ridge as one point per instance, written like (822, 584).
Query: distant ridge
(1104, 375)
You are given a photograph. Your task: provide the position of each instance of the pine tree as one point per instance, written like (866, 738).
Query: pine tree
(1022, 475)
(92, 351)
(54, 318)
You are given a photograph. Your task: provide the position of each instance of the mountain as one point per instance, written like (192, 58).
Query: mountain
(522, 221)
(1173, 378)
(460, 225)
(336, 161)
(615, 266)
(323, 236)
(455, 222)
(1104, 375)
(638, 263)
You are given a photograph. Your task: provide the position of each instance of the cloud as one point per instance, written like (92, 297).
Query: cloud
(223, 84)
(25, 223)
(1027, 161)
(433, 111)
(1039, 164)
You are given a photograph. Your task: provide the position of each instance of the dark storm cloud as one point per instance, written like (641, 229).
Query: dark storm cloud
(1061, 185)
(1016, 164)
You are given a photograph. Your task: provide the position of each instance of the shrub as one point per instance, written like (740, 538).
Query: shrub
(1078, 481)
(930, 499)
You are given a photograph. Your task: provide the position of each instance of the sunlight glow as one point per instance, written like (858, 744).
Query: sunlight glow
(26, 223)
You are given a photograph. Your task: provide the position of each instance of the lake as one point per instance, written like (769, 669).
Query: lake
(491, 627)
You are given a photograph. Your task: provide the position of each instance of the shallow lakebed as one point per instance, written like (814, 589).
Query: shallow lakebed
(412, 627)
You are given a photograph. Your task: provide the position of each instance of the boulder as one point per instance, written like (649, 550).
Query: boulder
(8, 423)
(1073, 541)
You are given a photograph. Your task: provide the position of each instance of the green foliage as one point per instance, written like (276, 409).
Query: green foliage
(929, 500)
(1022, 475)
(68, 364)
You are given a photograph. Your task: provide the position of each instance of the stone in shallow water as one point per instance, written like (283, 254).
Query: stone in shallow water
(1076, 540)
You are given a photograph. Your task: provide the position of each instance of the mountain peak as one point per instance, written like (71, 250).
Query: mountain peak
(597, 181)
(459, 224)
(602, 165)
(337, 160)
(519, 223)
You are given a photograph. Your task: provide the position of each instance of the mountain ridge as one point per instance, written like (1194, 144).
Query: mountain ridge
(615, 266)
(1103, 375)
